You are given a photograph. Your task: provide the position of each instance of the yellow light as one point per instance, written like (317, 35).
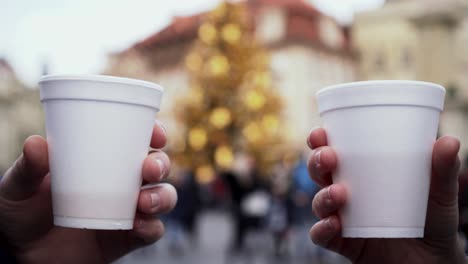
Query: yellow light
(231, 33)
(262, 79)
(219, 65)
(204, 174)
(194, 61)
(254, 100)
(220, 117)
(220, 11)
(195, 95)
(207, 33)
(224, 156)
(197, 138)
(252, 132)
(270, 123)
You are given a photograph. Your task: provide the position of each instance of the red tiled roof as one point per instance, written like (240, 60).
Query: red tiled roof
(181, 29)
(293, 6)
(302, 24)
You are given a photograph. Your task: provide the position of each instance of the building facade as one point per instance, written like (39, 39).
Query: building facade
(20, 115)
(419, 40)
(308, 50)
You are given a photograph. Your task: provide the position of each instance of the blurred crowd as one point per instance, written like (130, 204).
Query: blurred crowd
(274, 204)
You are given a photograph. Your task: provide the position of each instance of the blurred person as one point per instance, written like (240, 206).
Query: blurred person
(441, 243)
(303, 191)
(27, 233)
(280, 216)
(249, 199)
(182, 220)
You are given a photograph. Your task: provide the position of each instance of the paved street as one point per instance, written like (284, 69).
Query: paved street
(213, 241)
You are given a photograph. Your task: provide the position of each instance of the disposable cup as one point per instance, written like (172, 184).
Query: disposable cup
(383, 133)
(98, 132)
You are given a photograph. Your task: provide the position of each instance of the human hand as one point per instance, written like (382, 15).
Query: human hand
(440, 243)
(26, 220)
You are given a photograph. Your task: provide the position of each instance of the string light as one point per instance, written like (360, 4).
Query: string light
(204, 174)
(231, 33)
(197, 138)
(252, 132)
(254, 100)
(194, 61)
(220, 117)
(224, 156)
(218, 65)
(207, 33)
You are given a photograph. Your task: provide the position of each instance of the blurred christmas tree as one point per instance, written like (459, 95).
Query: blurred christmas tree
(231, 107)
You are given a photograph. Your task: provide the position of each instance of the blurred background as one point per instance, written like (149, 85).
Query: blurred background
(240, 79)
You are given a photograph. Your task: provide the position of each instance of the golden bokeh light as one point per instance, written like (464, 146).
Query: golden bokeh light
(252, 132)
(197, 138)
(218, 65)
(262, 79)
(207, 33)
(270, 123)
(195, 95)
(204, 174)
(220, 11)
(224, 156)
(231, 33)
(254, 100)
(194, 61)
(220, 117)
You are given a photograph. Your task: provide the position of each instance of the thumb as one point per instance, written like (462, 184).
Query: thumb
(445, 164)
(22, 180)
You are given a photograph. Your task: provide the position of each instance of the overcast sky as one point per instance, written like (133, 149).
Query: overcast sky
(75, 36)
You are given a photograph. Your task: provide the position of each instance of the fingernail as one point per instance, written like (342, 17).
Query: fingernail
(162, 126)
(308, 137)
(328, 200)
(317, 158)
(162, 169)
(308, 142)
(155, 199)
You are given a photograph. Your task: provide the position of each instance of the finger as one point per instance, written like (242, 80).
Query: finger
(442, 210)
(325, 231)
(148, 229)
(156, 167)
(445, 163)
(117, 243)
(317, 138)
(159, 137)
(23, 179)
(328, 200)
(157, 200)
(321, 164)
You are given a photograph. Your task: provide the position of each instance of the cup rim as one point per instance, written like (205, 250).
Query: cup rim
(380, 83)
(99, 78)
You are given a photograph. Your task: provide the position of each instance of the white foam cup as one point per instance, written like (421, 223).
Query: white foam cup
(383, 133)
(98, 132)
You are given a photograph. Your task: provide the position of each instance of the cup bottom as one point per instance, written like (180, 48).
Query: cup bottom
(93, 223)
(384, 232)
